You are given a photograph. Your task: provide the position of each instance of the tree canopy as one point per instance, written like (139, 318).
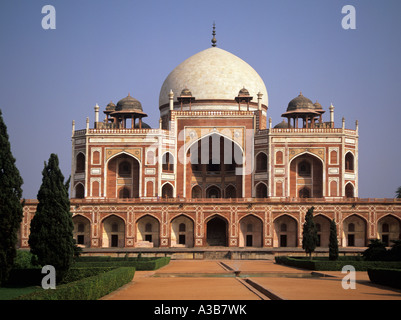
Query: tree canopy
(10, 204)
(309, 233)
(51, 237)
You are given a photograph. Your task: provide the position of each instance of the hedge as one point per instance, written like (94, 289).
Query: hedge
(140, 265)
(91, 288)
(109, 258)
(387, 277)
(34, 276)
(321, 265)
(75, 274)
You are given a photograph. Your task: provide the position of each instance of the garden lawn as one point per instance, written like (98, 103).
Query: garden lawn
(8, 293)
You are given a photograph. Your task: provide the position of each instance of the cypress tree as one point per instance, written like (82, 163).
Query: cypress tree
(10, 204)
(309, 233)
(333, 242)
(51, 238)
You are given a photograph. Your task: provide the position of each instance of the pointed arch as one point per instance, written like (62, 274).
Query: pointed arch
(389, 228)
(261, 190)
(349, 190)
(123, 170)
(113, 231)
(147, 231)
(167, 190)
(306, 170)
(80, 162)
(196, 192)
(230, 192)
(250, 231)
(168, 161)
(213, 191)
(216, 231)
(349, 160)
(354, 231)
(322, 223)
(182, 231)
(261, 161)
(285, 231)
(82, 230)
(79, 190)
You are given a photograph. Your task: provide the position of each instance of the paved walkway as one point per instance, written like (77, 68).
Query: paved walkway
(259, 280)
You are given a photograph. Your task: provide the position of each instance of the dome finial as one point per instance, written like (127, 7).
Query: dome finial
(214, 33)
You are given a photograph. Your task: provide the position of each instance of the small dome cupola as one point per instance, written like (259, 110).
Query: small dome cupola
(283, 125)
(127, 109)
(300, 103)
(243, 92)
(186, 98)
(303, 108)
(129, 104)
(186, 93)
(110, 108)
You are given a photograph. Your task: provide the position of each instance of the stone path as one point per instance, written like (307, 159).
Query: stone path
(258, 280)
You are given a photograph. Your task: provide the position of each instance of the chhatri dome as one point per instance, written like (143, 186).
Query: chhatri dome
(213, 74)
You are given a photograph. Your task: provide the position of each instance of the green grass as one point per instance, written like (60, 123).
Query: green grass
(8, 293)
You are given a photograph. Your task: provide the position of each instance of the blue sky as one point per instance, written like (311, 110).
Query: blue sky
(103, 49)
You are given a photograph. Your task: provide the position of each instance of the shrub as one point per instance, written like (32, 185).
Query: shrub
(75, 274)
(327, 265)
(395, 252)
(91, 288)
(376, 251)
(34, 276)
(23, 260)
(387, 277)
(333, 242)
(140, 265)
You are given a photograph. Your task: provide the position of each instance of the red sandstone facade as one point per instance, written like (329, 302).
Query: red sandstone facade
(217, 173)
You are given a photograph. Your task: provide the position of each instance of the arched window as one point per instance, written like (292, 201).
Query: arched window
(148, 227)
(304, 193)
(304, 169)
(124, 193)
(349, 162)
(167, 191)
(231, 192)
(351, 227)
(261, 162)
(249, 227)
(196, 192)
(124, 168)
(261, 191)
(168, 162)
(79, 191)
(349, 191)
(80, 163)
(181, 227)
(114, 227)
(213, 192)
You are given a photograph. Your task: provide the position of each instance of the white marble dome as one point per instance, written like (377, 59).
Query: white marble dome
(213, 74)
